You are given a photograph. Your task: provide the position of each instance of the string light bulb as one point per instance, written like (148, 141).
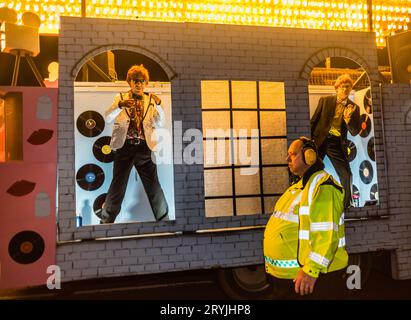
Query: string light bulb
(352, 15)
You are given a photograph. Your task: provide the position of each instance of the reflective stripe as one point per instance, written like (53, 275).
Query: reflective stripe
(319, 259)
(313, 185)
(341, 242)
(304, 235)
(342, 219)
(323, 226)
(304, 211)
(286, 216)
(282, 263)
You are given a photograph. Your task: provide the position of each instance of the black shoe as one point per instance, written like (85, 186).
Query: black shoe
(163, 218)
(104, 216)
(98, 212)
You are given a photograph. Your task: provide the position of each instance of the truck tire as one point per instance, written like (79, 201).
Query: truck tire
(245, 283)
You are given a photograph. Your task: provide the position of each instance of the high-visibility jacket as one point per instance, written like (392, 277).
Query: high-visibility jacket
(306, 229)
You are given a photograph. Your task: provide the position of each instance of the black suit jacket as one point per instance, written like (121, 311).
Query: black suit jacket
(322, 118)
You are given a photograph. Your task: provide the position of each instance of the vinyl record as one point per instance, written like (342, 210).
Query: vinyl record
(26, 247)
(368, 102)
(352, 150)
(366, 172)
(102, 150)
(365, 126)
(90, 177)
(370, 149)
(90, 123)
(97, 204)
(374, 192)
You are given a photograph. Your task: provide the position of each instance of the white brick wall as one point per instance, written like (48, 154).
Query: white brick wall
(190, 53)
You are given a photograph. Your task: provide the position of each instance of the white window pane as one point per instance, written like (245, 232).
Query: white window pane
(218, 207)
(216, 124)
(246, 152)
(218, 183)
(216, 153)
(215, 94)
(272, 95)
(244, 122)
(273, 123)
(246, 206)
(269, 204)
(275, 180)
(245, 183)
(244, 94)
(274, 151)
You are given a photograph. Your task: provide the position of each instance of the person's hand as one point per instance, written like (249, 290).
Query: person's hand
(157, 100)
(348, 111)
(125, 103)
(304, 284)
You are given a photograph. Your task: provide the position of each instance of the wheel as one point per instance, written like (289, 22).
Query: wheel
(244, 283)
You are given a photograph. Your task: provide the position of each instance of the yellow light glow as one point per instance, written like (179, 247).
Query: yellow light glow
(388, 15)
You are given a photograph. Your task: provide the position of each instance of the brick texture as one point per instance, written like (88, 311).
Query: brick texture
(189, 53)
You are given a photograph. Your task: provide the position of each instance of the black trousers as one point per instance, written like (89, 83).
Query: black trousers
(330, 285)
(334, 150)
(139, 156)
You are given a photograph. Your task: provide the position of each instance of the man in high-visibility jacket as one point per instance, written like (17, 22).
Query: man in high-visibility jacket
(304, 240)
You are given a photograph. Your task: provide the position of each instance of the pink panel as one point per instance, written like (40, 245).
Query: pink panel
(34, 211)
(39, 112)
(20, 214)
(15, 275)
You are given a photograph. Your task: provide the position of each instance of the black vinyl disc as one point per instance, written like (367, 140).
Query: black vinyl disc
(365, 126)
(352, 150)
(90, 123)
(370, 149)
(98, 203)
(90, 177)
(366, 172)
(374, 192)
(26, 247)
(368, 102)
(102, 150)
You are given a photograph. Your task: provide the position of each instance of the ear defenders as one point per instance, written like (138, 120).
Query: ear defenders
(309, 150)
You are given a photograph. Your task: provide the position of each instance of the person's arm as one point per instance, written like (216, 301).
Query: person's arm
(113, 110)
(316, 116)
(158, 114)
(353, 121)
(325, 213)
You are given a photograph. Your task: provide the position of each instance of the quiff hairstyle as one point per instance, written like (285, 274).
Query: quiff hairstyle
(345, 78)
(136, 71)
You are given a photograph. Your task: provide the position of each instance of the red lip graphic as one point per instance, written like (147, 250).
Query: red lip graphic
(40, 136)
(21, 188)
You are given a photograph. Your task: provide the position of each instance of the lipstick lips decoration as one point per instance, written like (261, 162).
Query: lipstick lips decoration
(21, 188)
(40, 136)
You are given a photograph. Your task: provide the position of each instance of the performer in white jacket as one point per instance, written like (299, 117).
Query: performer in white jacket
(136, 115)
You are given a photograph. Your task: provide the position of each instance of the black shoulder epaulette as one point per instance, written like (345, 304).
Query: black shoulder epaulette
(330, 181)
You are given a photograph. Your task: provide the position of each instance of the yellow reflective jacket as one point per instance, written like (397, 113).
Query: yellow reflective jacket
(306, 229)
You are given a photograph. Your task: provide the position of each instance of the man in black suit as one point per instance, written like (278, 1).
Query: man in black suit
(332, 119)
